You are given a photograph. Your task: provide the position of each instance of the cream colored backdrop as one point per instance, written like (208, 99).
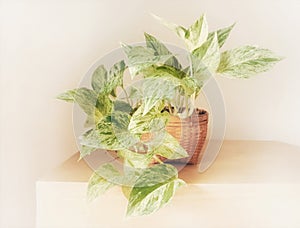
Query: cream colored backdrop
(47, 46)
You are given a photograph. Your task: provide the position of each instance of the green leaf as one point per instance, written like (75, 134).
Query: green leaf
(222, 34)
(161, 49)
(140, 58)
(111, 133)
(179, 30)
(135, 159)
(154, 120)
(99, 79)
(103, 137)
(156, 89)
(167, 146)
(86, 150)
(87, 100)
(115, 76)
(101, 181)
(162, 71)
(105, 83)
(246, 61)
(68, 96)
(197, 33)
(121, 106)
(153, 189)
(209, 53)
(194, 36)
(198, 72)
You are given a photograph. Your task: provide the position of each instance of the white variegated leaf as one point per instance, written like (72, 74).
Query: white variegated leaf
(102, 180)
(209, 54)
(222, 34)
(140, 58)
(153, 189)
(246, 61)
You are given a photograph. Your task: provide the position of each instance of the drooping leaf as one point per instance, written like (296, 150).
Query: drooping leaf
(140, 58)
(153, 190)
(161, 49)
(246, 61)
(167, 146)
(101, 180)
(209, 53)
(135, 159)
(222, 34)
(86, 150)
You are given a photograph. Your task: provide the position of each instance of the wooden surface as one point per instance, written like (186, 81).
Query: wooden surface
(251, 184)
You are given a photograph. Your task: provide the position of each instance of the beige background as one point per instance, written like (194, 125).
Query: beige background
(47, 46)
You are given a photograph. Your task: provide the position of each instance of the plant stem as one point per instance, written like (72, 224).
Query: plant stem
(157, 159)
(127, 97)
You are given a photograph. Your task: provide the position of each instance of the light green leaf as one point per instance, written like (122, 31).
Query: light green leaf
(222, 34)
(103, 137)
(154, 120)
(86, 150)
(197, 33)
(161, 49)
(68, 96)
(135, 159)
(105, 83)
(246, 61)
(180, 31)
(156, 89)
(121, 106)
(99, 79)
(153, 189)
(101, 181)
(209, 53)
(194, 36)
(167, 146)
(115, 76)
(198, 71)
(162, 71)
(140, 58)
(86, 99)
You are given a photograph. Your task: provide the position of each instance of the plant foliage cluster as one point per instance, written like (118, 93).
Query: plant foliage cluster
(168, 88)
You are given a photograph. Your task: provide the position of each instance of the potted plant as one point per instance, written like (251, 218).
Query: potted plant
(139, 124)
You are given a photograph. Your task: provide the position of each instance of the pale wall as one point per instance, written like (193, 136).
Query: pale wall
(47, 46)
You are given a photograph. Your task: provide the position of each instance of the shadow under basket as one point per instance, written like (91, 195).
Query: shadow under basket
(191, 133)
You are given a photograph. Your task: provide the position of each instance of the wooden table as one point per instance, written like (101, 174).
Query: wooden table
(251, 184)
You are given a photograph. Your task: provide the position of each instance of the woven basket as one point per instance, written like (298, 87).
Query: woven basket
(191, 133)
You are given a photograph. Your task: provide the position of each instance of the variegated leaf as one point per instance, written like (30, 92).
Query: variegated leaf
(102, 180)
(222, 34)
(161, 49)
(140, 58)
(246, 61)
(153, 190)
(209, 54)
